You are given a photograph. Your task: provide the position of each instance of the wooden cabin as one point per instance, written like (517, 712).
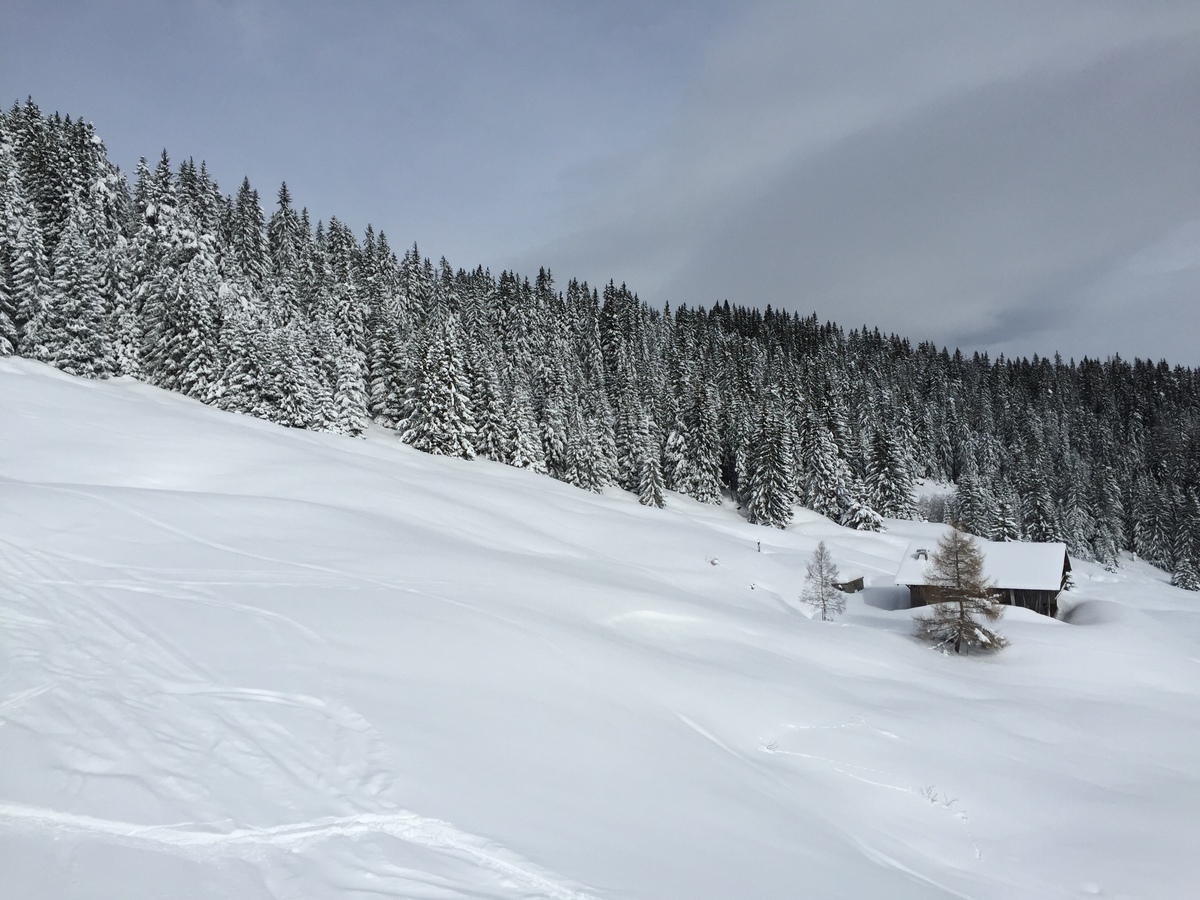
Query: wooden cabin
(1022, 573)
(850, 581)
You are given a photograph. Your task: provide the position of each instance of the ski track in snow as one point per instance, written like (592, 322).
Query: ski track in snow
(433, 834)
(341, 574)
(175, 714)
(173, 710)
(841, 767)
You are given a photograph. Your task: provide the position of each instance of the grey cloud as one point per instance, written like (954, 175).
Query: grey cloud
(980, 216)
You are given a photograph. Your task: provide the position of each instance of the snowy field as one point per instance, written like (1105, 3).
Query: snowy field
(245, 662)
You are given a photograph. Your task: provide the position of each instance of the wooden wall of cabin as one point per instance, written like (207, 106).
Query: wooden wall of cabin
(1044, 602)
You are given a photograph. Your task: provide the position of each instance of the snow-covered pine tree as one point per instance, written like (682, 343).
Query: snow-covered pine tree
(349, 413)
(860, 516)
(769, 497)
(1005, 526)
(30, 270)
(1186, 575)
(241, 346)
(974, 506)
(524, 443)
(825, 481)
(71, 326)
(9, 340)
(1107, 515)
(285, 276)
(589, 465)
(493, 430)
(702, 449)
(180, 317)
(675, 469)
(650, 480)
(288, 386)
(889, 482)
(439, 417)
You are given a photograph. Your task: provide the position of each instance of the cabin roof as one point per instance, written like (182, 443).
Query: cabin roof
(1015, 565)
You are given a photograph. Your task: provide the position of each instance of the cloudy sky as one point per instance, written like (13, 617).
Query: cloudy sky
(1016, 177)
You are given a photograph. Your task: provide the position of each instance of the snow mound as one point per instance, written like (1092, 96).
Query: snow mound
(1099, 612)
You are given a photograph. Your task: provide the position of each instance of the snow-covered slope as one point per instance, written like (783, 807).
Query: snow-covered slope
(245, 662)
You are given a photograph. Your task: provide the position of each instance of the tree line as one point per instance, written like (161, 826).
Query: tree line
(171, 281)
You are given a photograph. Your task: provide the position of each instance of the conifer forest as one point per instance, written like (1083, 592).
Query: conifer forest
(260, 311)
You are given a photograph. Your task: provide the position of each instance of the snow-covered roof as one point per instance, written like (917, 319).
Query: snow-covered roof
(1018, 565)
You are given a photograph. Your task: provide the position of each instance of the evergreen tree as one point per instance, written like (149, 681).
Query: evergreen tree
(825, 484)
(9, 340)
(438, 412)
(589, 462)
(701, 476)
(1005, 526)
(1186, 575)
(349, 415)
(650, 480)
(180, 317)
(974, 506)
(30, 276)
(524, 443)
(962, 597)
(70, 327)
(288, 383)
(861, 517)
(241, 384)
(889, 482)
(492, 427)
(675, 468)
(769, 498)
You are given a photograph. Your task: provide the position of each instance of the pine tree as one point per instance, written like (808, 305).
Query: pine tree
(524, 442)
(962, 597)
(180, 317)
(1005, 526)
(30, 277)
(492, 426)
(888, 482)
(861, 517)
(825, 487)
(288, 382)
(9, 340)
(702, 448)
(240, 385)
(675, 469)
(650, 480)
(349, 415)
(769, 498)
(70, 327)
(1186, 575)
(589, 465)
(438, 410)
(820, 588)
(974, 505)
